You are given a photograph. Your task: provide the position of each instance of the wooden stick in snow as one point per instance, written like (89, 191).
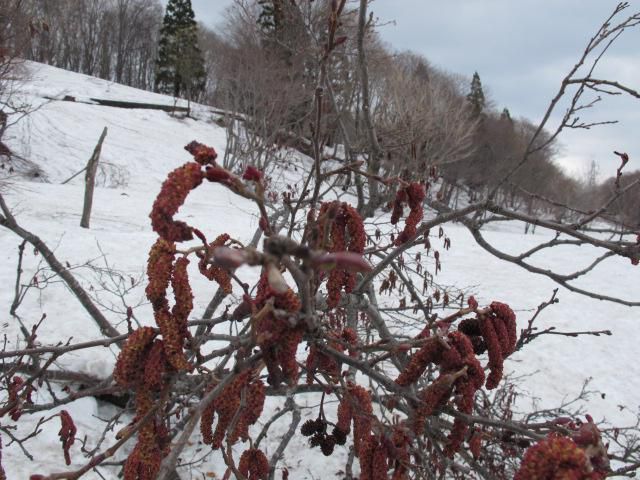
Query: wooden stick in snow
(90, 179)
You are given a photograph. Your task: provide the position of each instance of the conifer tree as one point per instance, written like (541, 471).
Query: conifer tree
(506, 115)
(476, 96)
(180, 65)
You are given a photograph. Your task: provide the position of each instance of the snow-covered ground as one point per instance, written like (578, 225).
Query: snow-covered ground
(142, 146)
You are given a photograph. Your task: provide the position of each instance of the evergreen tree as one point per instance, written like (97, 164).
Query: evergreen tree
(506, 115)
(180, 65)
(476, 95)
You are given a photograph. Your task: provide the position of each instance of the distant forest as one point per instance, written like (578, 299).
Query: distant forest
(262, 62)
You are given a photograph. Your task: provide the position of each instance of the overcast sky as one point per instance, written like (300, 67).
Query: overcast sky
(521, 49)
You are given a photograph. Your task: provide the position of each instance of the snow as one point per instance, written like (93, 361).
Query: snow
(141, 147)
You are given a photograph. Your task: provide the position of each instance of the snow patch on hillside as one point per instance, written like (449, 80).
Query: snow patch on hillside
(144, 146)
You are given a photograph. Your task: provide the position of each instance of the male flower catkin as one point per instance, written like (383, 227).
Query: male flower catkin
(346, 233)
(460, 369)
(214, 272)
(202, 154)
(557, 457)
(172, 195)
(277, 338)
(226, 406)
(498, 329)
(318, 361)
(161, 270)
(254, 464)
(430, 352)
(67, 434)
(413, 195)
(127, 372)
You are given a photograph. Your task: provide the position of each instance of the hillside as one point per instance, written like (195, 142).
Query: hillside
(141, 148)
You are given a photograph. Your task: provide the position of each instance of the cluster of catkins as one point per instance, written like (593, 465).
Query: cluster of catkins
(377, 450)
(277, 336)
(242, 398)
(145, 360)
(340, 229)
(413, 195)
(162, 269)
(461, 374)
(254, 465)
(142, 366)
(581, 455)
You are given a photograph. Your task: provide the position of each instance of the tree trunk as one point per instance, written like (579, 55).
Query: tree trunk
(90, 180)
(373, 163)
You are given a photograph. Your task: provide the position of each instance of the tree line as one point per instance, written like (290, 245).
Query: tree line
(262, 62)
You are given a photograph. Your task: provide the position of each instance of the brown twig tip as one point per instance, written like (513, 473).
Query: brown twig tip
(623, 156)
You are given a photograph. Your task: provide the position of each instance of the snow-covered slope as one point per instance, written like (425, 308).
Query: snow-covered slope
(142, 146)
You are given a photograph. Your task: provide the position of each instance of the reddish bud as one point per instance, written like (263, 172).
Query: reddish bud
(352, 262)
(473, 303)
(218, 174)
(242, 310)
(201, 153)
(229, 258)
(276, 280)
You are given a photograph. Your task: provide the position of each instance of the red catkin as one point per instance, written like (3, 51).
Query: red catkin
(495, 352)
(254, 465)
(432, 398)
(182, 294)
(202, 154)
(346, 233)
(214, 272)
(127, 372)
(172, 195)
(67, 434)
(430, 352)
(413, 194)
(557, 457)
(226, 406)
(159, 268)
